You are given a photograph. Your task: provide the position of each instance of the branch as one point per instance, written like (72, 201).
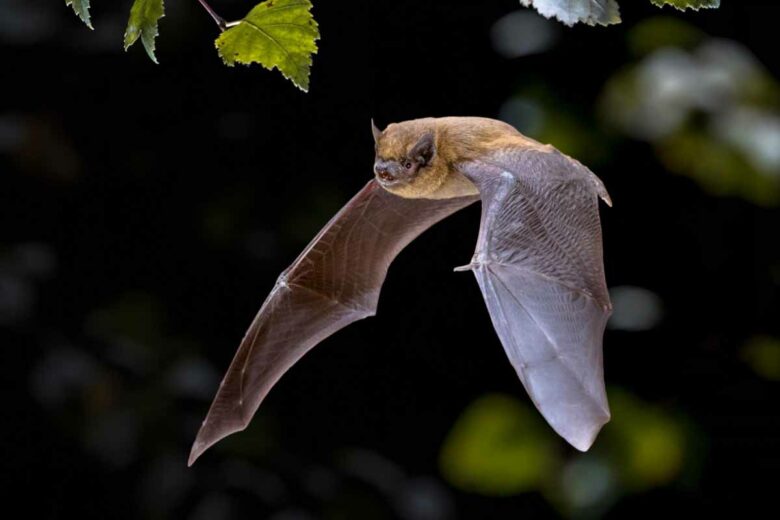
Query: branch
(217, 19)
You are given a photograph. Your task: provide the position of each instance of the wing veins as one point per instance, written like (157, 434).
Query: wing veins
(547, 233)
(338, 302)
(556, 348)
(583, 292)
(252, 344)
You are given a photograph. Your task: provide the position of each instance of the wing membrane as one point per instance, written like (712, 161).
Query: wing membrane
(539, 265)
(335, 281)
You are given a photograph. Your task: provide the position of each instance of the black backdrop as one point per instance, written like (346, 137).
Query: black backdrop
(191, 185)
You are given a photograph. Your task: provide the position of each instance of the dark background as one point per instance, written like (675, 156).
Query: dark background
(147, 210)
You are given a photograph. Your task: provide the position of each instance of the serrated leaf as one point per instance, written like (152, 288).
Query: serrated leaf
(81, 8)
(682, 5)
(144, 17)
(591, 12)
(278, 34)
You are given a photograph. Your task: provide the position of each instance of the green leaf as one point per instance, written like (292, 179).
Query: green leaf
(658, 32)
(81, 8)
(651, 443)
(498, 446)
(682, 5)
(142, 23)
(276, 33)
(591, 12)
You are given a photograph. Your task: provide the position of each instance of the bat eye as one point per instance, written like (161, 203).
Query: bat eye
(408, 165)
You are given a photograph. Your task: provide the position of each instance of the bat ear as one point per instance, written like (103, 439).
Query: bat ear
(374, 130)
(424, 150)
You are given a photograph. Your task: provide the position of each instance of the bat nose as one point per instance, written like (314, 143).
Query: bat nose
(383, 172)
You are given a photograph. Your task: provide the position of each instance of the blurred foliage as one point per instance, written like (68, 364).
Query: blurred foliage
(22, 268)
(276, 34)
(707, 105)
(522, 33)
(634, 308)
(762, 354)
(135, 316)
(144, 16)
(536, 111)
(498, 446)
(662, 31)
(93, 390)
(501, 446)
(39, 147)
(649, 442)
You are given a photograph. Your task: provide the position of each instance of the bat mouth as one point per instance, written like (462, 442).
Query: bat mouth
(388, 174)
(387, 179)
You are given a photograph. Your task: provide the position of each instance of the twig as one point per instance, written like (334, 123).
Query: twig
(221, 23)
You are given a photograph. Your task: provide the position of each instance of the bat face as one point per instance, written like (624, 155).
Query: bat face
(402, 156)
(406, 161)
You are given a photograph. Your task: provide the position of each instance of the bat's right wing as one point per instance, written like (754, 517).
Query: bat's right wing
(334, 282)
(539, 265)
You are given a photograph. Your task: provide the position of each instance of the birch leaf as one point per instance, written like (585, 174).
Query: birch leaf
(591, 12)
(144, 17)
(81, 8)
(278, 34)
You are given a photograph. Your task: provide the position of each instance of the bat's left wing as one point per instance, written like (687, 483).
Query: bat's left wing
(539, 265)
(334, 282)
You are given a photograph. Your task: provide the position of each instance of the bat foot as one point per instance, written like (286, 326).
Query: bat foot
(467, 267)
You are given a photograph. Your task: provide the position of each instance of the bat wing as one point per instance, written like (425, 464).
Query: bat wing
(539, 265)
(334, 282)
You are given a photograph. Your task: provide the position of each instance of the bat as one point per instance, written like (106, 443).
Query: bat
(538, 263)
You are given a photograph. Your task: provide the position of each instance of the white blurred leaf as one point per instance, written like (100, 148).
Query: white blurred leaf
(634, 308)
(587, 482)
(193, 378)
(709, 111)
(755, 133)
(522, 33)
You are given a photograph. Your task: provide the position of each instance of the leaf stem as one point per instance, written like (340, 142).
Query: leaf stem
(217, 19)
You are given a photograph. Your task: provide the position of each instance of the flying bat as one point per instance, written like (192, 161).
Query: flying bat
(538, 262)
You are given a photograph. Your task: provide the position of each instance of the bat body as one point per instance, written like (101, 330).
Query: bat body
(538, 263)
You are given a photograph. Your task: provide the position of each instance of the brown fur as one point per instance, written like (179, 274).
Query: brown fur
(457, 139)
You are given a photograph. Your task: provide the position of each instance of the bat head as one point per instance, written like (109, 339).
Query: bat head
(407, 162)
